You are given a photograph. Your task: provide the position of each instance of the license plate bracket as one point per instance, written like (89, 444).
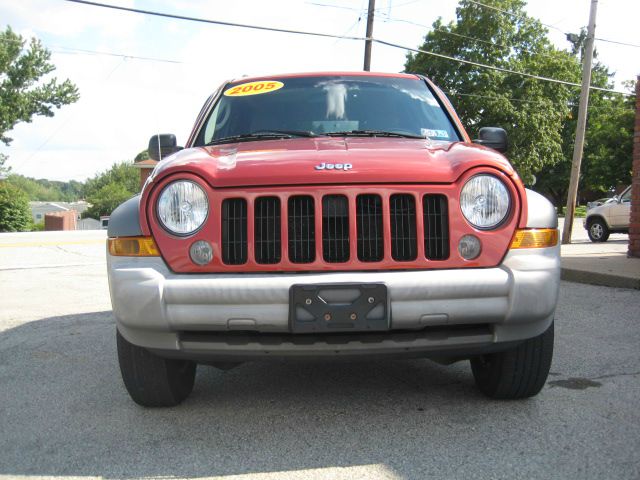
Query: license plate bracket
(345, 307)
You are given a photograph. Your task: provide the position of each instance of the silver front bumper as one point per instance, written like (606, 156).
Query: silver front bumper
(155, 307)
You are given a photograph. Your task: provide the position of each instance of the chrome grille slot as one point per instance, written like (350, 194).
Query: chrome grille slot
(369, 224)
(301, 229)
(234, 231)
(436, 227)
(335, 228)
(267, 230)
(402, 210)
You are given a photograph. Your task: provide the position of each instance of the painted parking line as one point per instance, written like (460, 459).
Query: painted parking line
(57, 265)
(46, 244)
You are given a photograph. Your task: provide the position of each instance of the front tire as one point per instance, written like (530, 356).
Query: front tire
(153, 381)
(520, 372)
(598, 231)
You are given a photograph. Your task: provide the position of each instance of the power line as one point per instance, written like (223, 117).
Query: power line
(539, 102)
(61, 49)
(513, 15)
(68, 119)
(377, 9)
(112, 54)
(390, 5)
(345, 37)
(341, 7)
(409, 2)
(351, 27)
(499, 69)
(473, 39)
(484, 5)
(214, 22)
(338, 37)
(618, 43)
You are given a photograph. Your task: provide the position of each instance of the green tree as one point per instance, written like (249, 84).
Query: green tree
(73, 190)
(15, 215)
(607, 153)
(531, 111)
(143, 155)
(609, 149)
(109, 189)
(3, 170)
(22, 94)
(47, 190)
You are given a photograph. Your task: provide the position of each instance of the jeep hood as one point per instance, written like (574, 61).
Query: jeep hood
(294, 161)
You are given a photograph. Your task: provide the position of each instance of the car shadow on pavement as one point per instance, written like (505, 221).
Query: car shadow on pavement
(64, 411)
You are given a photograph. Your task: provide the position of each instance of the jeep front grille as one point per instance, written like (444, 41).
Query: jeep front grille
(234, 231)
(302, 229)
(402, 209)
(436, 227)
(369, 223)
(335, 228)
(267, 230)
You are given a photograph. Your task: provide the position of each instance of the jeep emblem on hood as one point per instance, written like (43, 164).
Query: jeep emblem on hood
(334, 166)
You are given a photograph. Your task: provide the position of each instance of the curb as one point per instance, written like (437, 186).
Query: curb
(602, 279)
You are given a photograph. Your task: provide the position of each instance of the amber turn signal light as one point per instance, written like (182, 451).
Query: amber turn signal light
(535, 238)
(133, 247)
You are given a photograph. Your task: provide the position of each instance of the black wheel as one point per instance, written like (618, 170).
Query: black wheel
(153, 381)
(517, 373)
(598, 230)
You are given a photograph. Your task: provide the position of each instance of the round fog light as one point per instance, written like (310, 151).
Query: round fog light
(201, 252)
(469, 247)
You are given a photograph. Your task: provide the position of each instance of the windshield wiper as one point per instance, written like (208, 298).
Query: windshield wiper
(292, 133)
(262, 135)
(374, 133)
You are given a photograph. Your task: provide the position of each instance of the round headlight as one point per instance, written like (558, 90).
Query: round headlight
(182, 207)
(484, 201)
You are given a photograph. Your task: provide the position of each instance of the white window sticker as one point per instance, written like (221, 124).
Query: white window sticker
(427, 132)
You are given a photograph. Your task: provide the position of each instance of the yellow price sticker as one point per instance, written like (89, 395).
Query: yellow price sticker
(253, 88)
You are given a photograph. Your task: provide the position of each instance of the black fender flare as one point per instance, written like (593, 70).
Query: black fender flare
(125, 219)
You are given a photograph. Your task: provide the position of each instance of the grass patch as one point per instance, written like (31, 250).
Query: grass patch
(579, 212)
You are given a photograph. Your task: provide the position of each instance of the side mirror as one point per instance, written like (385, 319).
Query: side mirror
(616, 198)
(493, 137)
(163, 145)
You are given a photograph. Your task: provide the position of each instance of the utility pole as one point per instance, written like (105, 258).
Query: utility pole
(367, 44)
(580, 128)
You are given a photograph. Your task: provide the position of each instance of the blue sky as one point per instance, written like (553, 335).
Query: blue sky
(126, 100)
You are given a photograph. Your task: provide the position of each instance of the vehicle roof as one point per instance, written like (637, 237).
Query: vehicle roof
(327, 74)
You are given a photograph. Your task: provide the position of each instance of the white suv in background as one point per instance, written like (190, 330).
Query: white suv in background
(612, 217)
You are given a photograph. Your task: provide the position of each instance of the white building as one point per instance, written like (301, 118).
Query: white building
(89, 224)
(40, 209)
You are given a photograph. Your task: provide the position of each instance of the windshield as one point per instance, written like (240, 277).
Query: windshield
(327, 105)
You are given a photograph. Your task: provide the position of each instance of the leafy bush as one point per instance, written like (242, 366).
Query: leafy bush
(15, 215)
(37, 227)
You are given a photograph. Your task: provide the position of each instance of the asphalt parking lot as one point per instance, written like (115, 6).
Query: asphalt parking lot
(64, 412)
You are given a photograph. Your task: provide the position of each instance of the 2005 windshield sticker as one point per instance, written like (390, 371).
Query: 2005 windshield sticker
(253, 88)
